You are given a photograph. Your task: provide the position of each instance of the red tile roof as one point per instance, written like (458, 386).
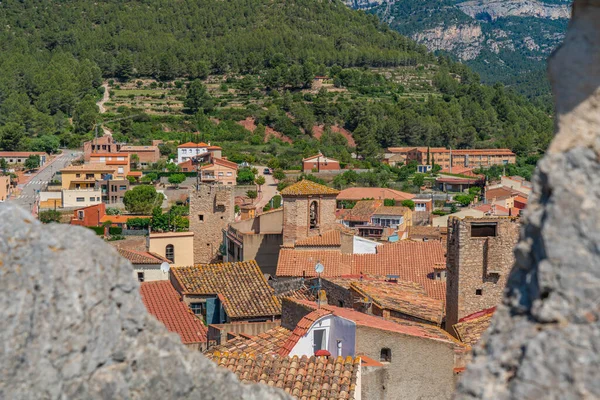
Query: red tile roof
(225, 163)
(493, 209)
(21, 153)
(500, 193)
(304, 293)
(410, 261)
(245, 291)
(269, 342)
(121, 219)
(404, 297)
(323, 378)
(302, 329)
(192, 144)
(371, 321)
(162, 300)
(359, 193)
(308, 188)
(328, 239)
(142, 257)
(362, 211)
(135, 173)
(470, 328)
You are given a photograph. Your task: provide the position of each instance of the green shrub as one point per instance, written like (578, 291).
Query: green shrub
(115, 230)
(98, 229)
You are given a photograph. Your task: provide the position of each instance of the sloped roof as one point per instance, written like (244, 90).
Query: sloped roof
(362, 211)
(307, 188)
(406, 297)
(432, 232)
(192, 144)
(139, 148)
(470, 328)
(325, 378)
(121, 219)
(269, 342)
(410, 261)
(328, 239)
(142, 257)
(391, 210)
(242, 285)
(359, 193)
(304, 293)
(371, 321)
(302, 329)
(162, 300)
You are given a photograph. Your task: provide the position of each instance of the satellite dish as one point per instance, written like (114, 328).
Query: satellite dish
(165, 267)
(319, 268)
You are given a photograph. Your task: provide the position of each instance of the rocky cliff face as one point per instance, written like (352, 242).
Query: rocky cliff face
(500, 39)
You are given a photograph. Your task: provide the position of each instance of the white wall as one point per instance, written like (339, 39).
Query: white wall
(151, 272)
(90, 197)
(364, 246)
(335, 328)
(184, 154)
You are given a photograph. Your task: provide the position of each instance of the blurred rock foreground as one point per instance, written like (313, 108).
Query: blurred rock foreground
(74, 326)
(544, 342)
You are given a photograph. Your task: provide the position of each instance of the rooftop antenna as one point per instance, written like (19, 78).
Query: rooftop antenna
(165, 267)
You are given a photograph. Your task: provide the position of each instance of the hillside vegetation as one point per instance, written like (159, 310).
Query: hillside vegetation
(204, 66)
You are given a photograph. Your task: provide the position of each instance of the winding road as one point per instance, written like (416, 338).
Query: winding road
(101, 108)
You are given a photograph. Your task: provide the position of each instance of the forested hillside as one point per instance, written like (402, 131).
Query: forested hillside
(232, 60)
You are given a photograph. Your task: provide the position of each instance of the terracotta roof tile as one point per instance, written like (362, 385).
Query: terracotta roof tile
(242, 285)
(362, 211)
(404, 297)
(359, 193)
(121, 219)
(420, 232)
(269, 342)
(328, 239)
(142, 257)
(393, 325)
(192, 144)
(163, 301)
(392, 210)
(304, 293)
(324, 378)
(470, 328)
(307, 188)
(410, 261)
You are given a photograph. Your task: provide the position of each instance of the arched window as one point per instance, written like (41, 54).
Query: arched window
(385, 355)
(170, 252)
(314, 215)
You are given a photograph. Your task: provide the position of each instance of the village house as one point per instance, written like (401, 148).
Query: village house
(221, 172)
(162, 300)
(80, 186)
(319, 163)
(89, 216)
(190, 150)
(146, 265)
(370, 218)
(103, 144)
(445, 158)
(177, 247)
(223, 293)
(5, 187)
(19, 157)
(458, 184)
(120, 162)
(479, 259)
(147, 155)
(517, 183)
(355, 194)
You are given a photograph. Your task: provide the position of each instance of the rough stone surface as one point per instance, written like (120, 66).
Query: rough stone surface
(544, 341)
(74, 326)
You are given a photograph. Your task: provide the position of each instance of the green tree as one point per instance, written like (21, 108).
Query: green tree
(32, 162)
(279, 174)
(142, 199)
(389, 202)
(49, 216)
(172, 167)
(408, 203)
(176, 179)
(198, 98)
(11, 136)
(260, 180)
(247, 84)
(418, 179)
(252, 194)
(135, 160)
(245, 176)
(3, 165)
(464, 199)
(131, 179)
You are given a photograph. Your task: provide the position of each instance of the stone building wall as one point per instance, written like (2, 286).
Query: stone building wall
(296, 216)
(478, 267)
(211, 210)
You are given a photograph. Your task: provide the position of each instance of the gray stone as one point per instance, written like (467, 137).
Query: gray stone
(544, 340)
(73, 325)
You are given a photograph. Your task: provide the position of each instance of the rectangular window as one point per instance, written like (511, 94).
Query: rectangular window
(197, 308)
(483, 229)
(120, 158)
(92, 198)
(77, 175)
(120, 170)
(140, 276)
(478, 292)
(229, 174)
(89, 176)
(319, 339)
(80, 215)
(201, 217)
(122, 187)
(220, 174)
(80, 199)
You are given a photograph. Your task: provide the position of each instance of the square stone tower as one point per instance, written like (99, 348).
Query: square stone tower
(479, 258)
(308, 210)
(211, 211)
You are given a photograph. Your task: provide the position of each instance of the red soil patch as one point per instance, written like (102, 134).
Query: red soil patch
(318, 132)
(250, 124)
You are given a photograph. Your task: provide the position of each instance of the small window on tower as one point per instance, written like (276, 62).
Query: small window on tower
(483, 230)
(201, 217)
(385, 355)
(478, 292)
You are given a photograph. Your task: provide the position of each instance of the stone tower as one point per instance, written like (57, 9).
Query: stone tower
(479, 259)
(211, 210)
(308, 209)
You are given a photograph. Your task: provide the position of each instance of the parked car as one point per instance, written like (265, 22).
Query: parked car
(267, 171)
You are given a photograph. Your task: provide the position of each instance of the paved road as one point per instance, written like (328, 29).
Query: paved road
(38, 181)
(101, 108)
(268, 190)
